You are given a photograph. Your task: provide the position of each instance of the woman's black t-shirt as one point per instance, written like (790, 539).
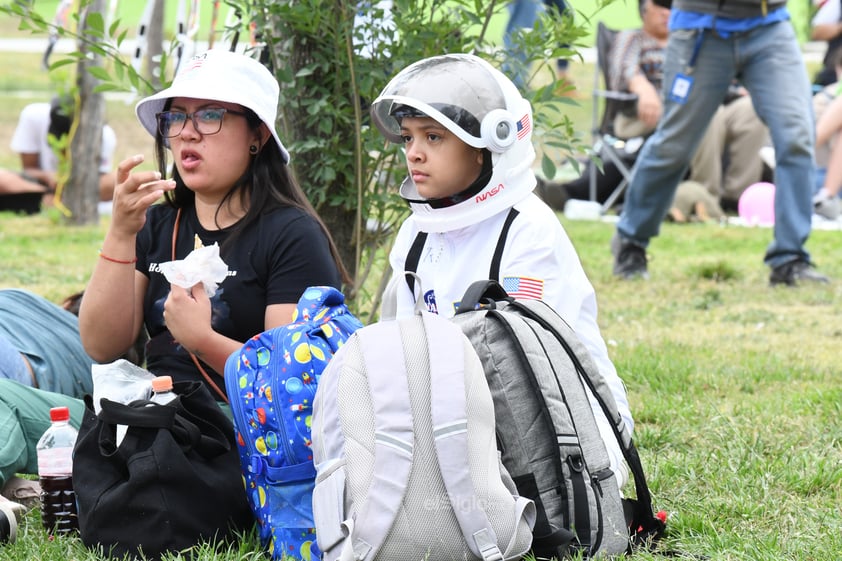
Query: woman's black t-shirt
(271, 262)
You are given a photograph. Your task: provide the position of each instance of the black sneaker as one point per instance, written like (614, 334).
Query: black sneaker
(629, 259)
(794, 272)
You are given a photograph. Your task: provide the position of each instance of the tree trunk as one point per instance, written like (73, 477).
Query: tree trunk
(155, 44)
(81, 192)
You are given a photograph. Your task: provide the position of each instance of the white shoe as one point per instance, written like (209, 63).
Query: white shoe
(827, 207)
(767, 154)
(9, 521)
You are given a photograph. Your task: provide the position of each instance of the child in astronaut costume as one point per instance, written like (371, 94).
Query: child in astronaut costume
(458, 117)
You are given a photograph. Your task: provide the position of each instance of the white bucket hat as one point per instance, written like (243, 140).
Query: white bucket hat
(220, 75)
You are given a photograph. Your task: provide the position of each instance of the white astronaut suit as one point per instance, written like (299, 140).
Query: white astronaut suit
(482, 107)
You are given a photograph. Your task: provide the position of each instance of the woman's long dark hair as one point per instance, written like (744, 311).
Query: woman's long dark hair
(267, 184)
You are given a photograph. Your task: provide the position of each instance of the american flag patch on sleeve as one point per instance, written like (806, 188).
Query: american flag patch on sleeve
(523, 288)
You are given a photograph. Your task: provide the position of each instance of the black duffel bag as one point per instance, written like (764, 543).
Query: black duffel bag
(173, 482)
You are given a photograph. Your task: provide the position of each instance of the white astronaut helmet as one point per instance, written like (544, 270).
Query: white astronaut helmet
(484, 109)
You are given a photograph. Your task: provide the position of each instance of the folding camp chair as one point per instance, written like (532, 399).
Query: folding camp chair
(606, 145)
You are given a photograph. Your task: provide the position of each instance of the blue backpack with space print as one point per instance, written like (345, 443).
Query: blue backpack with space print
(271, 382)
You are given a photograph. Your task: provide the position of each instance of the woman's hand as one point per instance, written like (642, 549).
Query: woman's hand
(134, 193)
(187, 313)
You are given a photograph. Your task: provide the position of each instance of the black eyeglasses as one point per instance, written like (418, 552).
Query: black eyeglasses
(205, 121)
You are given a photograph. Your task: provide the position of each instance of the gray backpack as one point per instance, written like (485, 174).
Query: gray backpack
(540, 374)
(405, 451)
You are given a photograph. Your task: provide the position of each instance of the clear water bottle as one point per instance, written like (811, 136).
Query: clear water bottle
(162, 392)
(55, 473)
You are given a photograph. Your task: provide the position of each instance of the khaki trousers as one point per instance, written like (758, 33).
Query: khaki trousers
(735, 131)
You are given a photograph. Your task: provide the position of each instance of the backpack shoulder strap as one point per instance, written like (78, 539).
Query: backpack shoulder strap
(547, 317)
(450, 431)
(394, 438)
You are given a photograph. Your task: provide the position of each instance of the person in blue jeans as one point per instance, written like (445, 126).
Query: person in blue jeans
(522, 15)
(559, 9)
(712, 42)
(39, 348)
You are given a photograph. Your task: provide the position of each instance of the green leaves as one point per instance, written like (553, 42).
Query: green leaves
(330, 64)
(95, 24)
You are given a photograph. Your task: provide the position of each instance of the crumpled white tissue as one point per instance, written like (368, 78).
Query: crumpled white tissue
(202, 264)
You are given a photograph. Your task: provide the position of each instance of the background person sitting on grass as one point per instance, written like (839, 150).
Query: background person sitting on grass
(40, 126)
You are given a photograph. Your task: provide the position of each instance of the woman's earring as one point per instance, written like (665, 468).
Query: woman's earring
(253, 149)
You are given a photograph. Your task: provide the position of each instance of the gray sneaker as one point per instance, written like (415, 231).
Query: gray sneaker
(827, 208)
(629, 259)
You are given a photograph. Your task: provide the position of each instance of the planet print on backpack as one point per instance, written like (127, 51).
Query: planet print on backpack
(272, 382)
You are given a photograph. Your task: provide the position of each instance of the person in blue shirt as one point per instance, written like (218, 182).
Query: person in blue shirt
(711, 43)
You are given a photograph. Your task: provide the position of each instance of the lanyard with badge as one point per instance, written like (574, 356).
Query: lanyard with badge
(683, 82)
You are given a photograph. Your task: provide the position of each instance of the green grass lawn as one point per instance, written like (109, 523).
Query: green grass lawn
(734, 385)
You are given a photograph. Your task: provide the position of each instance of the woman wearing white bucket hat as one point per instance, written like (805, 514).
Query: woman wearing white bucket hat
(230, 185)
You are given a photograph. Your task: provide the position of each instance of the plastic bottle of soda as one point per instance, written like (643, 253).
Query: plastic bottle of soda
(162, 390)
(55, 473)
